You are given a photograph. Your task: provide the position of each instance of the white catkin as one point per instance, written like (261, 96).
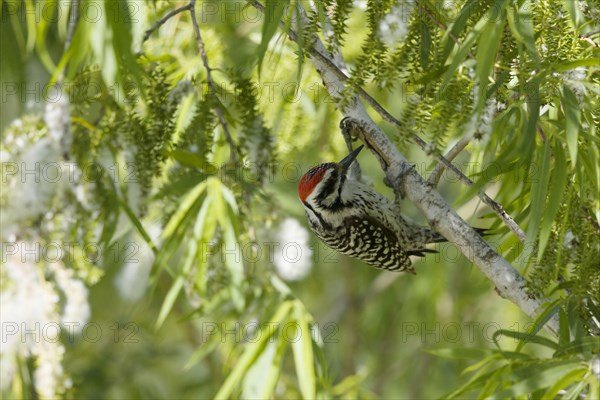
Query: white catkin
(394, 26)
(30, 307)
(293, 256)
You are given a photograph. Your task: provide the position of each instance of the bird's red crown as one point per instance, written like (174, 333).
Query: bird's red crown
(312, 179)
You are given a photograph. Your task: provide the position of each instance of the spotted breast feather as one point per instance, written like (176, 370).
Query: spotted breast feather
(368, 240)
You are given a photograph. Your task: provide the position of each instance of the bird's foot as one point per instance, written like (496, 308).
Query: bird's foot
(350, 128)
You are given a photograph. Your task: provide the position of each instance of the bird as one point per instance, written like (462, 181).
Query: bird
(352, 218)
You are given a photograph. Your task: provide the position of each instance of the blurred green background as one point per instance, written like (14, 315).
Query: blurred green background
(197, 276)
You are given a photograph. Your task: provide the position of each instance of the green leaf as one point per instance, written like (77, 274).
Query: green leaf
(471, 7)
(482, 26)
(222, 197)
(138, 225)
(230, 199)
(474, 383)
(549, 310)
(80, 47)
(42, 26)
(569, 65)
(348, 384)
(261, 379)
(482, 365)
(487, 48)
(586, 344)
(461, 353)
(62, 63)
(251, 353)
(185, 206)
(189, 159)
(459, 57)
(272, 16)
(184, 114)
(594, 309)
(300, 35)
(574, 393)
(169, 301)
(574, 12)
(520, 21)
(186, 266)
(564, 335)
(303, 353)
(573, 121)
(425, 47)
(205, 348)
(120, 23)
(538, 194)
(564, 382)
(204, 230)
(540, 377)
(527, 338)
(558, 182)
(30, 17)
(493, 382)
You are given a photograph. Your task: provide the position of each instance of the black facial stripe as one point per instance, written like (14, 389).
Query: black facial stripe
(319, 217)
(327, 190)
(328, 186)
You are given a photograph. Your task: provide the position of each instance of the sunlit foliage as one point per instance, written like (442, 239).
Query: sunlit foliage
(199, 277)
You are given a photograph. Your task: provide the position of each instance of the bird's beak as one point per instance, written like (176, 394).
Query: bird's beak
(347, 161)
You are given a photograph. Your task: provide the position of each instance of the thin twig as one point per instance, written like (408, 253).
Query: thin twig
(435, 176)
(211, 84)
(592, 219)
(164, 19)
(73, 20)
(589, 40)
(443, 27)
(591, 33)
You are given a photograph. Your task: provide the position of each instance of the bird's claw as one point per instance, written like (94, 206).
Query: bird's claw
(350, 127)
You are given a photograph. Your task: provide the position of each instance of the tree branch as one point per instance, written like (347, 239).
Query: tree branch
(437, 172)
(191, 7)
(340, 76)
(164, 19)
(211, 84)
(495, 206)
(441, 25)
(73, 20)
(405, 180)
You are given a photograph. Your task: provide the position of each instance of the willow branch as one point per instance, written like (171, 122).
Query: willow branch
(211, 84)
(495, 206)
(441, 25)
(164, 19)
(73, 20)
(405, 180)
(191, 7)
(342, 78)
(437, 172)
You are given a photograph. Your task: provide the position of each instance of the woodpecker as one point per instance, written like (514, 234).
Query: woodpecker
(352, 218)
